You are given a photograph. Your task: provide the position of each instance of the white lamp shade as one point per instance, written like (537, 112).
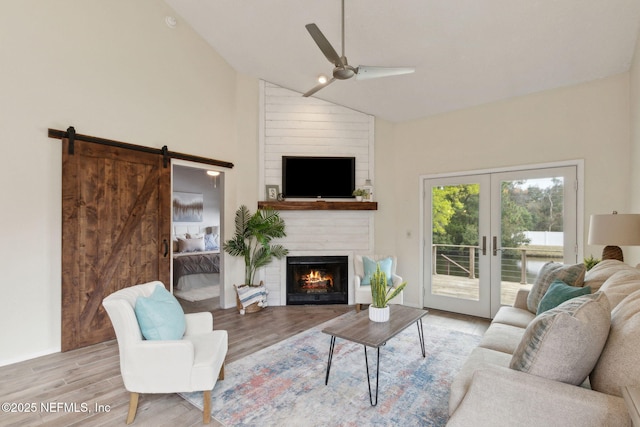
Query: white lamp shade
(615, 229)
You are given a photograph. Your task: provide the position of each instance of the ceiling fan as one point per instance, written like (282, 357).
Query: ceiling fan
(342, 70)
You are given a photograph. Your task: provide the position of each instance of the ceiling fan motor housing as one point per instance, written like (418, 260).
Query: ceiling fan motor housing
(344, 72)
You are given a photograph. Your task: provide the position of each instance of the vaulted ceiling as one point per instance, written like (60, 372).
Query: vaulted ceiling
(465, 52)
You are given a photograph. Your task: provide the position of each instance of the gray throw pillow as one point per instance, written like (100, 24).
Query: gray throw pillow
(564, 343)
(572, 275)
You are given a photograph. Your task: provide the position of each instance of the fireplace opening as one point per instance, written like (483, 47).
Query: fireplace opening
(317, 280)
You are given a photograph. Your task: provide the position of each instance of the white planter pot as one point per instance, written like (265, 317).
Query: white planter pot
(379, 314)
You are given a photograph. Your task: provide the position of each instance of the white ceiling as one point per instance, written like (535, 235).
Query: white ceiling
(466, 52)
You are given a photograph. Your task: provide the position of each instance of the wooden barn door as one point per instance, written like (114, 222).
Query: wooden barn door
(115, 232)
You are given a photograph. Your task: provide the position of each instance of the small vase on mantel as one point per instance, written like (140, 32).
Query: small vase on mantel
(379, 314)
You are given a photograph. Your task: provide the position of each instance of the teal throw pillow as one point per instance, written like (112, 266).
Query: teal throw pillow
(370, 268)
(160, 316)
(558, 293)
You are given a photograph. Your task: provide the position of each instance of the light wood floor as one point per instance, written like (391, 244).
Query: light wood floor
(465, 288)
(91, 375)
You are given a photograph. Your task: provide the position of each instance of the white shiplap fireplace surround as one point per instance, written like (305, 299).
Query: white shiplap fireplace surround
(296, 126)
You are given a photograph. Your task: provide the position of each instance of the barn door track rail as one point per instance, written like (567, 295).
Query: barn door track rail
(167, 155)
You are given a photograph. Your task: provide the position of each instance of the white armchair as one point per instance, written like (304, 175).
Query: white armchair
(362, 294)
(193, 363)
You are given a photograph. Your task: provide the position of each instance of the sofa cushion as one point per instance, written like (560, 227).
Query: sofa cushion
(596, 277)
(572, 275)
(479, 357)
(619, 364)
(558, 293)
(622, 283)
(564, 343)
(160, 316)
(513, 316)
(500, 337)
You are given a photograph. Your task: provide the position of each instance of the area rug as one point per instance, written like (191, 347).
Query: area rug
(283, 385)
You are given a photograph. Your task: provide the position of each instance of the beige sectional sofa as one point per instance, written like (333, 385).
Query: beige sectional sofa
(564, 367)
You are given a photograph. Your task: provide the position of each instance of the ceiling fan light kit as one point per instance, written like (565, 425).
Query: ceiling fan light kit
(342, 70)
(171, 21)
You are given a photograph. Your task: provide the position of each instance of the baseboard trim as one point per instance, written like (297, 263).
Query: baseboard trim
(24, 358)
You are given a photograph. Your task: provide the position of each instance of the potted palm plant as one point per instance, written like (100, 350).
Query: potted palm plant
(252, 241)
(381, 294)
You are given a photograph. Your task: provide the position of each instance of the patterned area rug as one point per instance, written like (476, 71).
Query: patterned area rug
(283, 385)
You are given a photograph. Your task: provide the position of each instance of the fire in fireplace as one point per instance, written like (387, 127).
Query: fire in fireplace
(317, 280)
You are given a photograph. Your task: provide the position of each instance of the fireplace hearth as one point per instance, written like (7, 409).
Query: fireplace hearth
(317, 280)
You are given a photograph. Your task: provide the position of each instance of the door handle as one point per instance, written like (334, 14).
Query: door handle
(165, 243)
(495, 245)
(484, 245)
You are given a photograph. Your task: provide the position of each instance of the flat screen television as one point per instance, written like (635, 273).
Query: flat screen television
(318, 177)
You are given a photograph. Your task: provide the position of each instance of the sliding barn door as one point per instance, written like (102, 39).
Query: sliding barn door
(115, 232)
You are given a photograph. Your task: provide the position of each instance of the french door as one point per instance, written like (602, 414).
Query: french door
(487, 234)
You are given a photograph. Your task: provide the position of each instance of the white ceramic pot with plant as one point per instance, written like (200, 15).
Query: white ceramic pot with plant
(381, 294)
(359, 193)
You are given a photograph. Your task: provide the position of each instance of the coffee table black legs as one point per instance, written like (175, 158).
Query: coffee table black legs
(366, 359)
(421, 336)
(424, 354)
(331, 347)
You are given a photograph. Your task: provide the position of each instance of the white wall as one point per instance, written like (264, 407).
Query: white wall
(241, 184)
(588, 121)
(632, 255)
(112, 69)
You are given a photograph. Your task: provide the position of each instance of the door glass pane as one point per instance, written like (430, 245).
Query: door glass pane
(531, 230)
(455, 225)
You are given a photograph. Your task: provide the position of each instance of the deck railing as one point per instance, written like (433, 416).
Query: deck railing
(463, 263)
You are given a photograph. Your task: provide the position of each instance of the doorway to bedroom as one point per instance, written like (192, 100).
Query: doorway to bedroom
(197, 207)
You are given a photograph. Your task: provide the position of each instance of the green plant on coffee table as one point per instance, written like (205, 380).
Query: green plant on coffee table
(381, 294)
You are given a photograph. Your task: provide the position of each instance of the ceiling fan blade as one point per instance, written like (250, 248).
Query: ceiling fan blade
(318, 87)
(324, 44)
(366, 72)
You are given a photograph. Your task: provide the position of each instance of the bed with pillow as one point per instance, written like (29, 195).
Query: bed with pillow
(196, 257)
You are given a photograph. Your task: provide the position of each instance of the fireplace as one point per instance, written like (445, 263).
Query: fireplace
(317, 280)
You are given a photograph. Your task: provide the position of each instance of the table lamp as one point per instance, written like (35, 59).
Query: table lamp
(614, 230)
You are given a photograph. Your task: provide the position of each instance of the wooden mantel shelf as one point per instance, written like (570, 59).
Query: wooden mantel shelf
(319, 205)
